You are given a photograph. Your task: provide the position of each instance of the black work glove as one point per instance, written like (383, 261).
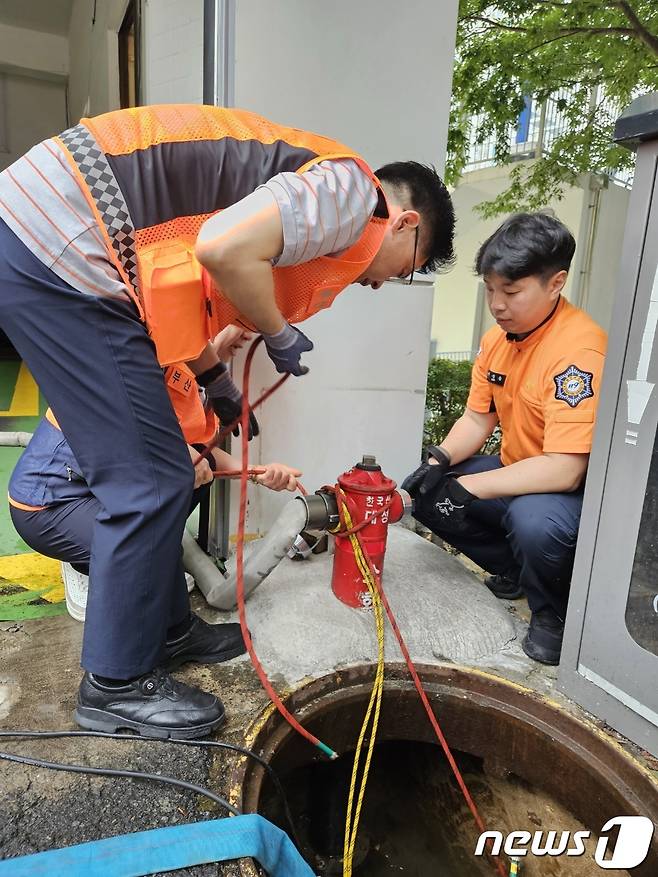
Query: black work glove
(451, 502)
(285, 350)
(225, 398)
(425, 478)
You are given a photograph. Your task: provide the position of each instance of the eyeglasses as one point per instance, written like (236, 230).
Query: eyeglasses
(407, 281)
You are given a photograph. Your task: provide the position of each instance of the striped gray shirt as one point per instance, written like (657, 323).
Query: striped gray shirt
(323, 211)
(45, 206)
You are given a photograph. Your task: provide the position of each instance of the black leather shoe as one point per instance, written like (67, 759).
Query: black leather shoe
(504, 587)
(154, 705)
(204, 643)
(543, 641)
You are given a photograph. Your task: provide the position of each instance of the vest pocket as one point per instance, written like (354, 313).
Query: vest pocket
(322, 298)
(174, 300)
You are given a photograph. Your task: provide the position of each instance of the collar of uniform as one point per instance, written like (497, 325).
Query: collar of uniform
(534, 335)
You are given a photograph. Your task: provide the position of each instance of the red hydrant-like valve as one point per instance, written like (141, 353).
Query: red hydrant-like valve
(373, 498)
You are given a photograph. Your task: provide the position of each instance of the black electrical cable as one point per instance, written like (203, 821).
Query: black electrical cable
(44, 735)
(134, 774)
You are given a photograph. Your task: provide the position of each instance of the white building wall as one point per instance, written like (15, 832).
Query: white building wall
(20, 129)
(173, 51)
(376, 75)
(94, 57)
(601, 284)
(31, 52)
(33, 72)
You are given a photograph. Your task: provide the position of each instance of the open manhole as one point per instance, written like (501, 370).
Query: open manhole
(530, 766)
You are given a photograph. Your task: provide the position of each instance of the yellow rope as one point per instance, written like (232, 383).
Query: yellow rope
(373, 710)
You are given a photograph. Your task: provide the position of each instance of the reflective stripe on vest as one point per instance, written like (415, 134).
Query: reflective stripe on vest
(151, 222)
(90, 166)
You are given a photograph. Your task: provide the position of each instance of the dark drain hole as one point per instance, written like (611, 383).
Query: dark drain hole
(415, 821)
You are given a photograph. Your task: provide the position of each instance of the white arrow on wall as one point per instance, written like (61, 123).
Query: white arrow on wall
(639, 390)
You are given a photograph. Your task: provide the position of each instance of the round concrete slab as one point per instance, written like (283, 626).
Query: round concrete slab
(301, 630)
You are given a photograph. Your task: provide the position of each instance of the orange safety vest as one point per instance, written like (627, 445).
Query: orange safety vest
(130, 162)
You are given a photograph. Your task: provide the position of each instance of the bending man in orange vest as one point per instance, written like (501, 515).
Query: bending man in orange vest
(126, 243)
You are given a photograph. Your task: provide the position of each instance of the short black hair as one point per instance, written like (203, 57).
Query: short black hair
(527, 244)
(419, 186)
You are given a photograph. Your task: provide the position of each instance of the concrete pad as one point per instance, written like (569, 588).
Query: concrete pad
(301, 630)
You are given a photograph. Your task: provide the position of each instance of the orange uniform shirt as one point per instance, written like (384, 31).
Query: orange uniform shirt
(545, 388)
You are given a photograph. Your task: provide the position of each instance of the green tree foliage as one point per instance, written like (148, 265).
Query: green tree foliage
(448, 384)
(592, 56)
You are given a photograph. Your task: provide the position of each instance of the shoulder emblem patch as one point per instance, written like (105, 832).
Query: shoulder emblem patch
(573, 385)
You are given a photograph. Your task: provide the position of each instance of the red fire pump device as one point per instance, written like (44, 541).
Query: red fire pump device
(371, 497)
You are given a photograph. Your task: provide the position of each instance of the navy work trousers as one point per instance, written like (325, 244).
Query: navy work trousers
(531, 537)
(65, 531)
(97, 367)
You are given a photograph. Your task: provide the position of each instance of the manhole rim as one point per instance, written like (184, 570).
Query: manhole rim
(586, 742)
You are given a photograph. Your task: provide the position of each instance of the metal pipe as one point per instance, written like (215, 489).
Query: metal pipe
(15, 439)
(317, 512)
(321, 511)
(219, 52)
(584, 275)
(260, 559)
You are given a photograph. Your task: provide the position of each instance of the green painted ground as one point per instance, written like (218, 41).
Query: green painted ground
(10, 541)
